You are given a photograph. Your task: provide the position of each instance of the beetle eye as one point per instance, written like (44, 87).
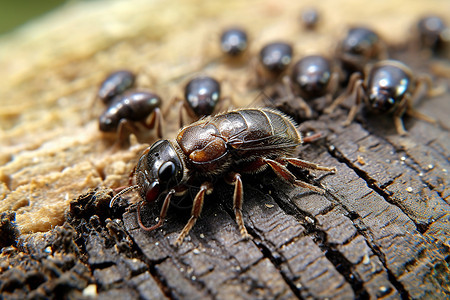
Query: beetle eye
(166, 171)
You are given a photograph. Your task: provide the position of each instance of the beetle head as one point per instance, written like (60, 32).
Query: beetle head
(381, 101)
(159, 169)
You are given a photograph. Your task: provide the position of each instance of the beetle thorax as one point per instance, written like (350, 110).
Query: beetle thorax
(203, 147)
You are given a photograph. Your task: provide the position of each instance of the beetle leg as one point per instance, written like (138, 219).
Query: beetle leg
(356, 77)
(430, 91)
(358, 93)
(398, 114)
(291, 97)
(124, 125)
(155, 121)
(205, 188)
(418, 115)
(286, 175)
(333, 84)
(238, 199)
(423, 88)
(162, 214)
(300, 163)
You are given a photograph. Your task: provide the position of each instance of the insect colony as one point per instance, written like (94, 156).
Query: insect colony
(226, 143)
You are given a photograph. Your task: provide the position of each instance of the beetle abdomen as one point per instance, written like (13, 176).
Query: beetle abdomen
(243, 134)
(265, 132)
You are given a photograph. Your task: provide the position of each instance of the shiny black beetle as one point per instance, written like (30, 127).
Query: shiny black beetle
(129, 107)
(313, 76)
(202, 97)
(224, 145)
(359, 47)
(115, 84)
(388, 86)
(433, 33)
(234, 41)
(274, 60)
(276, 57)
(310, 17)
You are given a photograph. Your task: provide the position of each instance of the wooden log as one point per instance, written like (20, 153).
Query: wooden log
(379, 231)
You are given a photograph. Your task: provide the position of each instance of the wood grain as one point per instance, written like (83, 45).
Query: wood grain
(380, 231)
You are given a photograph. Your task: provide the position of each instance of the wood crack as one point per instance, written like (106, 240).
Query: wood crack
(371, 183)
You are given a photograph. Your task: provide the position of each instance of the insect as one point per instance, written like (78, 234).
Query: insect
(388, 86)
(201, 98)
(312, 76)
(431, 31)
(225, 145)
(234, 41)
(360, 46)
(115, 84)
(129, 107)
(310, 18)
(274, 59)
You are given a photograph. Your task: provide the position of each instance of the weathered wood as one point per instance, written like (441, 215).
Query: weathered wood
(380, 230)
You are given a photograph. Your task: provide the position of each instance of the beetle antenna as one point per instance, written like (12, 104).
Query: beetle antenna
(124, 191)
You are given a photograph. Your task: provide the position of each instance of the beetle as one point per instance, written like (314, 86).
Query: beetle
(129, 107)
(360, 46)
(311, 77)
(225, 145)
(309, 18)
(388, 86)
(202, 96)
(431, 31)
(274, 59)
(233, 41)
(115, 84)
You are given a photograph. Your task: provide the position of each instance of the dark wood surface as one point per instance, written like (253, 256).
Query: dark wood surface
(380, 231)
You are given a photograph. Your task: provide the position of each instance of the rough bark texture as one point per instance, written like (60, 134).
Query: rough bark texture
(380, 231)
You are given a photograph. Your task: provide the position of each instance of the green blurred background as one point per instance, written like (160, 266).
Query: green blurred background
(14, 13)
